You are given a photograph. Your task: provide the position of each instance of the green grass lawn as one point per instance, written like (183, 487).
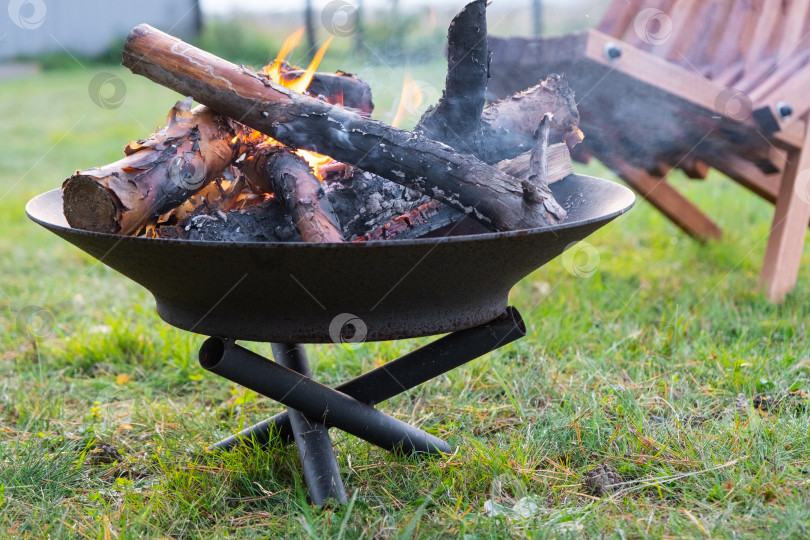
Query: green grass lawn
(637, 367)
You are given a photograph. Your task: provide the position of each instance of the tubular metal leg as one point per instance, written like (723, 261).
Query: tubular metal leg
(315, 400)
(397, 376)
(315, 451)
(313, 408)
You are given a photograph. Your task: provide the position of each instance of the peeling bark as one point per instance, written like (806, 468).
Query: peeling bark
(508, 126)
(156, 175)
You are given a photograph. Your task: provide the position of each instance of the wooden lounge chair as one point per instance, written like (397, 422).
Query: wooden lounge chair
(691, 84)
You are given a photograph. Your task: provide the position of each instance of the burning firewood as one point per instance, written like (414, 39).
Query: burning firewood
(274, 168)
(341, 88)
(226, 210)
(298, 121)
(156, 175)
(280, 186)
(500, 132)
(536, 183)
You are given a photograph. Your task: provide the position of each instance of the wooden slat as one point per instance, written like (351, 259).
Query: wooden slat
(682, 83)
(756, 76)
(707, 34)
(656, 72)
(739, 26)
(767, 21)
(789, 227)
(791, 135)
(690, 87)
(645, 43)
(727, 77)
(667, 200)
(694, 168)
(747, 175)
(685, 13)
(784, 71)
(666, 96)
(702, 36)
(655, 189)
(793, 28)
(619, 17)
(793, 91)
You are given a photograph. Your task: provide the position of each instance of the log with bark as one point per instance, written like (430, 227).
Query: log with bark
(156, 175)
(504, 129)
(536, 182)
(339, 88)
(414, 223)
(459, 180)
(275, 169)
(508, 126)
(228, 211)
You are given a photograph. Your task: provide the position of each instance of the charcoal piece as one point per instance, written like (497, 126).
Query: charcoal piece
(366, 202)
(267, 222)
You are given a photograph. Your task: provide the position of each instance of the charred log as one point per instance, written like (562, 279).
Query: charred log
(415, 223)
(536, 182)
(455, 119)
(508, 126)
(156, 175)
(559, 163)
(299, 121)
(338, 88)
(273, 168)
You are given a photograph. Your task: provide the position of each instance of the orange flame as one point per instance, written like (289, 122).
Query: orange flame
(314, 160)
(409, 101)
(273, 69)
(300, 84)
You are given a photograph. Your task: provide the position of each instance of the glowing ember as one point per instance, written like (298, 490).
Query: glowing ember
(314, 160)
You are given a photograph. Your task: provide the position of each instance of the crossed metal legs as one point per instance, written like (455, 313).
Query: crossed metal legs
(313, 407)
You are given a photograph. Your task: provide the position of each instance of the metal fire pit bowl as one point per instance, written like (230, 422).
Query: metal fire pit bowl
(294, 292)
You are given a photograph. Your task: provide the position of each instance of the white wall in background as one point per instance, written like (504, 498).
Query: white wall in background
(86, 27)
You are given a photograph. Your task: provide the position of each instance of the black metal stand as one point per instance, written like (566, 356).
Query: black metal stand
(313, 407)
